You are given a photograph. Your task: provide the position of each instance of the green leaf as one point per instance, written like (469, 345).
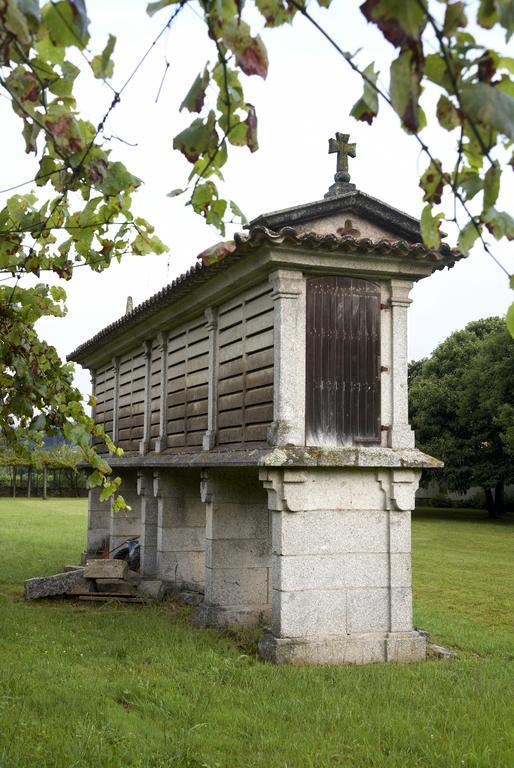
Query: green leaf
(399, 21)
(102, 64)
(63, 86)
(200, 138)
(175, 192)
(21, 19)
(470, 182)
(467, 237)
(251, 126)
(432, 182)
(454, 17)
(152, 8)
(506, 16)
(276, 12)
(492, 185)
(236, 210)
(67, 22)
(250, 52)
(117, 179)
(366, 108)
(405, 90)
(435, 70)
(430, 227)
(447, 113)
(499, 223)
(30, 133)
(489, 106)
(486, 14)
(48, 50)
(196, 95)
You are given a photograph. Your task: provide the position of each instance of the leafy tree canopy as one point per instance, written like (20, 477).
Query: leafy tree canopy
(462, 407)
(81, 210)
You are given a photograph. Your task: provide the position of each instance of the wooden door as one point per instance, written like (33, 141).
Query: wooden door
(343, 362)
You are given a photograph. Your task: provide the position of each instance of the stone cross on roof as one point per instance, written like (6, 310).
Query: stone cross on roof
(342, 177)
(344, 151)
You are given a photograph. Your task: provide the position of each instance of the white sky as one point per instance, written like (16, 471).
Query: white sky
(306, 98)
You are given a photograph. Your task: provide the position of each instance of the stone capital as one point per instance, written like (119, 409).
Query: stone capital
(147, 349)
(400, 290)
(211, 318)
(162, 341)
(286, 284)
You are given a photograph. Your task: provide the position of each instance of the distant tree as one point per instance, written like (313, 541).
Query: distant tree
(462, 408)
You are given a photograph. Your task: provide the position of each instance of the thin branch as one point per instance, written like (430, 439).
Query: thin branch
(166, 68)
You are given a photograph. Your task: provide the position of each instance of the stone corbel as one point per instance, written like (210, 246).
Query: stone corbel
(206, 492)
(144, 485)
(283, 487)
(399, 487)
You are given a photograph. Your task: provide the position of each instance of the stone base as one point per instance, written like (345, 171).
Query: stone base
(222, 616)
(345, 649)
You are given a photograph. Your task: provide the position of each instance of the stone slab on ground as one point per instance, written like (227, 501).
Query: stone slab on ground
(71, 568)
(115, 586)
(48, 586)
(106, 569)
(82, 587)
(106, 598)
(150, 589)
(439, 652)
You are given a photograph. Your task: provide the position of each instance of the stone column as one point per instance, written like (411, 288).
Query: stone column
(115, 399)
(144, 444)
(209, 439)
(180, 529)
(400, 434)
(162, 440)
(289, 296)
(126, 524)
(98, 524)
(340, 594)
(238, 549)
(148, 538)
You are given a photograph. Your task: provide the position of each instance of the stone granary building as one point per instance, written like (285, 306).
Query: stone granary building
(261, 402)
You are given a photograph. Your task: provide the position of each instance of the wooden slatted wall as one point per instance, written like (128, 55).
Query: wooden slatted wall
(104, 392)
(131, 400)
(245, 368)
(188, 376)
(155, 390)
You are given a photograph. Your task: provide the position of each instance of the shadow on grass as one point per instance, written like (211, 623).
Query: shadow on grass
(461, 515)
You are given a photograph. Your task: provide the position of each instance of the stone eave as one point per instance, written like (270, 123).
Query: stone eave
(216, 281)
(402, 224)
(283, 456)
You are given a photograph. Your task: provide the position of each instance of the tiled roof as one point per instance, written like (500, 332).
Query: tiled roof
(221, 256)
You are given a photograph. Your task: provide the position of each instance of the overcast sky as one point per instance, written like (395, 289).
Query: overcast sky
(306, 98)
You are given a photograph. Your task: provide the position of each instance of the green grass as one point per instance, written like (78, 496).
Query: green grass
(112, 685)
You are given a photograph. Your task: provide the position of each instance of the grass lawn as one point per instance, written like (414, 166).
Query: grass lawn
(112, 685)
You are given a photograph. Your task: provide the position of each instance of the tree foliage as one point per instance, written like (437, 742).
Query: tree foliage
(82, 215)
(462, 406)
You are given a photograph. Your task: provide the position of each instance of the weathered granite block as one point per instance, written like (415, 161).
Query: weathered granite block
(48, 586)
(105, 569)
